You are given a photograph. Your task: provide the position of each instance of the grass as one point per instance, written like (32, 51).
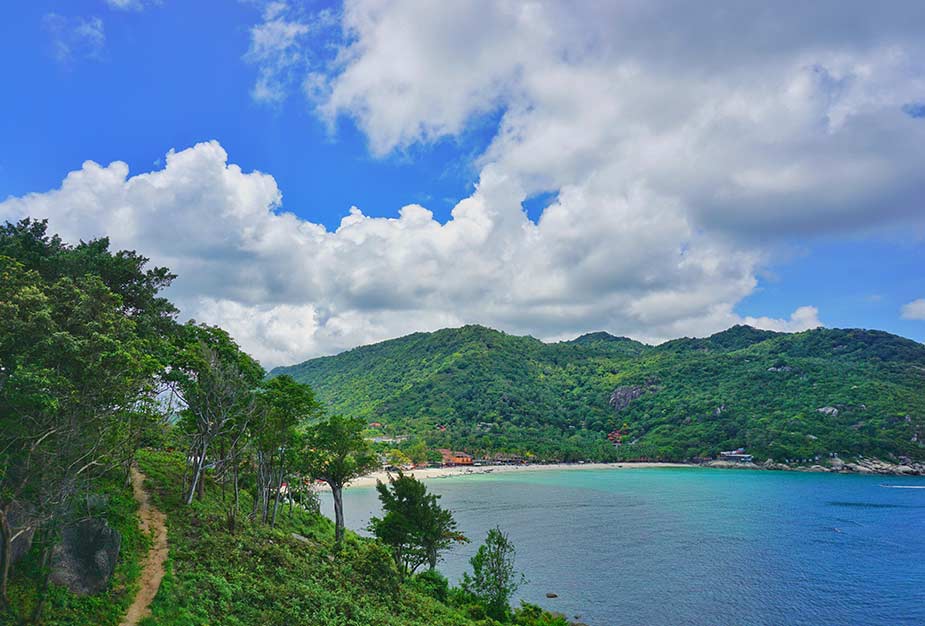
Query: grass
(257, 576)
(262, 575)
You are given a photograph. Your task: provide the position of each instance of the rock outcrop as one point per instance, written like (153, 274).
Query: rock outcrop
(621, 397)
(905, 467)
(86, 557)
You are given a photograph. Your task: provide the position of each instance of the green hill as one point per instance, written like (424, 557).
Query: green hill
(782, 396)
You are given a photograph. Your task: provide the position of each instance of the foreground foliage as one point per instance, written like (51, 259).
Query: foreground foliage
(270, 576)
(83, 344)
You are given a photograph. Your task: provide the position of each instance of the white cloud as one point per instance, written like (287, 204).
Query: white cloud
(277, 50)
(683, 142)
(755, 123)
(804, 318)
(74, 37)
(914, 310)
(125, 5)
(289, 289)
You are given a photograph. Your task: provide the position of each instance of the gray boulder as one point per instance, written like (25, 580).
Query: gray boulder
(86, 557)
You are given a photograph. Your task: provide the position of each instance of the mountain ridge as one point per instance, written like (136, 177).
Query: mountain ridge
(481, 389)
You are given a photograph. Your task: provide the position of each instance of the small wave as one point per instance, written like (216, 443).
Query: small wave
(871, 505)
(903, 486)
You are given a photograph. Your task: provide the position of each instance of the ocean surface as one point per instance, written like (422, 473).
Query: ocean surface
(697, 546)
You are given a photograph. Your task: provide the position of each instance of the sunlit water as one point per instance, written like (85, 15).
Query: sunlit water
(697, 546)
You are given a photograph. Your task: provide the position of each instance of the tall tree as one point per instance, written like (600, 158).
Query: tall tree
(284, 404)
(494, 578)
(217, 383)
(414, 525)
(336, 452)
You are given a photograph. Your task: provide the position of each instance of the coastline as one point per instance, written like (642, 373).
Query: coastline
(431, 473)
(867, 466)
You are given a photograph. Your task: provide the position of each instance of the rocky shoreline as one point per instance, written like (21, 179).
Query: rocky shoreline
(832, 465)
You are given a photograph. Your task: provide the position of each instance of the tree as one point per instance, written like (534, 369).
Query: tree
(335, 452)
(397, 458)
(283, 405)
(217, 383)
(414, 525)
(494, 579)
(81, 341)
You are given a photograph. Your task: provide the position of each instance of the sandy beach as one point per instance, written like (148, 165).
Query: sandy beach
(430, 473)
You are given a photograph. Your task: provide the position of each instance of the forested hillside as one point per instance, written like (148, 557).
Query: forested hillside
(782, 396)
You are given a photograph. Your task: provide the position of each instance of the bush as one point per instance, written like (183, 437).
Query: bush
(432, 583)
(372, 566)
(532, 615)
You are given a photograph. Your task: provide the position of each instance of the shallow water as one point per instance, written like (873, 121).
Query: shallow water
(697, 546)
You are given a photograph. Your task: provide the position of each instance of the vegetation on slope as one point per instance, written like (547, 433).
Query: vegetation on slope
(96, 374)
(265, 575)
(741, 387)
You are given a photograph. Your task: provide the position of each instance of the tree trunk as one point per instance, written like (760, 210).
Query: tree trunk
(6, 557)
(236, 489)
(43, 593)
(279, 486)
(337, 492)
(197, 473)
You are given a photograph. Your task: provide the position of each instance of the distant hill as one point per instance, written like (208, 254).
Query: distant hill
(782, 396)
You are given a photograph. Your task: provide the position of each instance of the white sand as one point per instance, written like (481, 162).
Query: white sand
(430, 473)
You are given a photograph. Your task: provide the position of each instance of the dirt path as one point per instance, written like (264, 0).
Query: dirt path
(151, 521)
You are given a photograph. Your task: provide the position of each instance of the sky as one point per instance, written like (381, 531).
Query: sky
(322, 175)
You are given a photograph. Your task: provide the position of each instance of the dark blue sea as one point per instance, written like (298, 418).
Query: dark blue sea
(697, 546)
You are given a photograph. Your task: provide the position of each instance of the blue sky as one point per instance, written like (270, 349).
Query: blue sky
(748, 208)
(171, 76)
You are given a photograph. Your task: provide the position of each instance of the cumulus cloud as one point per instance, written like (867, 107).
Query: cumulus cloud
(914, 310)
(804, 318)
(289, 288)
(760, 122)
(681, 144)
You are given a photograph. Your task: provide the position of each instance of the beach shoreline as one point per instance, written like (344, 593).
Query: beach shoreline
(431, 473)
(865, 467)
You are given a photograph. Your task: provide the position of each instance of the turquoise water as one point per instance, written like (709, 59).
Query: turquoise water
(698, 546)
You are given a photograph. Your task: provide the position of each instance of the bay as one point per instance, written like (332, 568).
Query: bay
(696, 546)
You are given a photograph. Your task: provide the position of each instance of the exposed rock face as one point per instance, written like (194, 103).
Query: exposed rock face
(781, 368)
(829, 410)
(771, 465)
(21, 519)
(622, 396)
(86, 557)
(732, 465)
(876, 466)
(906, 467)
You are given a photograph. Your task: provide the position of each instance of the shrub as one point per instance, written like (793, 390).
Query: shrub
(432, 583)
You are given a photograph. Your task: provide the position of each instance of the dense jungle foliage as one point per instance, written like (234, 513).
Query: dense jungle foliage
(685, 398)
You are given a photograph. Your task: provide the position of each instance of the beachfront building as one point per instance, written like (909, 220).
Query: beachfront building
(736, 456)
(454, 458)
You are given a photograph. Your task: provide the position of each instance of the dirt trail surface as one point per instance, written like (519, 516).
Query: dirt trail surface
(152, 521)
